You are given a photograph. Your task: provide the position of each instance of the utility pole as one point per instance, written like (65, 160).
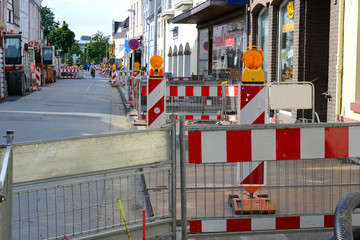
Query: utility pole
(133, 51)
(155, 28)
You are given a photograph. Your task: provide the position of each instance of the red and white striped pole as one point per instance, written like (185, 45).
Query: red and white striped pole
(251, 175)
(38, 80)
(156, 91)
(113, 75)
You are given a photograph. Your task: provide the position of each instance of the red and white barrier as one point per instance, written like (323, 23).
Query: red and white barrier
(252, 104)
(273, 144)
(179, 79)
(69, 73)
(38, 77)
(193, 91)
(156, 104)
(263, 223)
(113, 78)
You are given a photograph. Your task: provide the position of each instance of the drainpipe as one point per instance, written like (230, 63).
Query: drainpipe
(339, 67)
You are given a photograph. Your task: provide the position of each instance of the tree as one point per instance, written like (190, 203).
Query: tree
(75, 49)
(62, 38)
(97, 48)
(48, 21)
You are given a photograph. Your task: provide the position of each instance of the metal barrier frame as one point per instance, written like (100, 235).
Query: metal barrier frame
(64, 151)
(313, 113)
(6, 187)
(246, 224)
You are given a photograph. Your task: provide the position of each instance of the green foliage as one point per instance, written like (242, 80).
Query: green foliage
(98, 48)
(62, 38)
(48, 20)
(142, 68)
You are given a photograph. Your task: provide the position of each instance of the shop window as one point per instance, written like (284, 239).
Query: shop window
(263, 35)
(203, 53)
(286, 41)
(227, 50)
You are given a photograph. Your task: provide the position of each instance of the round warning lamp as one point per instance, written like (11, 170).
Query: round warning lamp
(156, 61)
(253, 57)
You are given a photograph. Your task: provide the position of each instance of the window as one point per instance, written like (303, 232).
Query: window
(203, 53)
(263, 35)
(286, 41)
(227, 50)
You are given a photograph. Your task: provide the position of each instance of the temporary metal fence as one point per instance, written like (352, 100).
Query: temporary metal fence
(197, 101)
(6, 179)
(309, 168)
(71, 187)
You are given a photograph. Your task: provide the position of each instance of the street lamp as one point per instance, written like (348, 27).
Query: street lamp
(132, 11)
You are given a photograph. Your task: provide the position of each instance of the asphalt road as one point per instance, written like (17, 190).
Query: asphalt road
(67, 108)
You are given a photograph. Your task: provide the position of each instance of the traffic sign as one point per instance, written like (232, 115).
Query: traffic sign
(134, 44)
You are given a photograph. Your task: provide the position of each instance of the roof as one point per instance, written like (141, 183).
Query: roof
(207, 11)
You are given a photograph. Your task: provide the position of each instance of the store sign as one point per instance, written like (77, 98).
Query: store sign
(237, 2)
(226, 40)
(290, 9)
(288, 27)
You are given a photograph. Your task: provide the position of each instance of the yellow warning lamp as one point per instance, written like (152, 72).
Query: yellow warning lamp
(253, 58)
(120, 65)
(12, 31)
(156, 63)
(114, 67)
(137, 66)
(48, 44)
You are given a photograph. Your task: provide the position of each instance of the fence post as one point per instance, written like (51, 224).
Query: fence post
(9, 137)
(183, 179)
(173, 172)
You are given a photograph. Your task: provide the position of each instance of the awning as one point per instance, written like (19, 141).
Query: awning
(208, 10)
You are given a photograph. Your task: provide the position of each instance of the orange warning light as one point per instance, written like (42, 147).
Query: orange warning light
(12, 31)
(156, 63)
(137, 66)
(253, 58)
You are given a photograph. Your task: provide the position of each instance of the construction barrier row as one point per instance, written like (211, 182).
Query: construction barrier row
(71, 73)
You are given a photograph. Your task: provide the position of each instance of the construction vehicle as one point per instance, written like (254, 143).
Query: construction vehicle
(45, 60)
(15, 64)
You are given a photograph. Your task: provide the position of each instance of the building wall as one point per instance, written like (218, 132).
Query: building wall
(310, 45)
(25, 19)
(35, 19)
(333, 61)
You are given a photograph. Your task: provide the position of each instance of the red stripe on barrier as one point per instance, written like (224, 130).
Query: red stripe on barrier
(219, 91)
(152, 115)
(195, 147)
(288, 222)
(256, 177)
(336, 142)
(260, 119)
(238, 225)
(195, 226)
(328, 221)
(189, 117)
(238, 146)
(143, 91)
(219, 117)
(248, 93)
(205, 91)
(287, 144)
(189, 91)
(153, 85)
(205, 117)
(173, 91)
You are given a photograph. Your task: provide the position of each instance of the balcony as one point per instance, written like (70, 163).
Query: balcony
(183, 5)
(167, 14)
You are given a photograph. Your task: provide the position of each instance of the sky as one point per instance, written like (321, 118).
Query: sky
(86, 17)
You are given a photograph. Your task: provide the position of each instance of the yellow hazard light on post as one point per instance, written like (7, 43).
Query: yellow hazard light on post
(114, 67)
(253, 59)
(156, 63)
(137, 66)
